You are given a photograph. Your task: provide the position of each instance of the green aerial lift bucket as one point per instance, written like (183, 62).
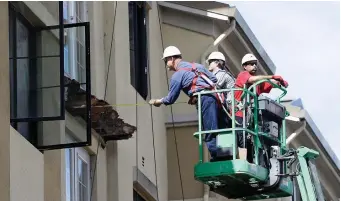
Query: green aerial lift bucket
(240, 179)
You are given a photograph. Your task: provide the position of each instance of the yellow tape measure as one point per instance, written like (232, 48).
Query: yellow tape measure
(124, 105)
(132, 104)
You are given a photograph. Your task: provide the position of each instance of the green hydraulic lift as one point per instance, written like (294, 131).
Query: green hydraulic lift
(272, 169)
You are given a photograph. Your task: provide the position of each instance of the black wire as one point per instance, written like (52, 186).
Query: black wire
(171, 108)
(105, 94)
(136, 143)
(112, 39)
(151, 114)
(136, 133)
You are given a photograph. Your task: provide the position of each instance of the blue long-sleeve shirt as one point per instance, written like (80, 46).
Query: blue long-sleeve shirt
(182, 80)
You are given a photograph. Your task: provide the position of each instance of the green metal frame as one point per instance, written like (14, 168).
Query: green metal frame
(307, 177)
(220, 174)
(246, 98)
(223, 173)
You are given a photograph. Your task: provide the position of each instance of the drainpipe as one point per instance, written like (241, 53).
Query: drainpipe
(203, 61)
(218, 41)
(296, 133)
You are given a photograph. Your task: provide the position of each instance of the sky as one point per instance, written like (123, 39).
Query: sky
(303, 41)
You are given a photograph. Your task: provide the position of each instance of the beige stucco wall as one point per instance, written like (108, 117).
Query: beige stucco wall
(192, 45)
(120, 91)
(27, 166)
(4, 106)
(187, 147)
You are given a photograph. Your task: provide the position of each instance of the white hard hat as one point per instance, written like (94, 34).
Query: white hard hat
(248, 57)
(216, 56)
(171, 51)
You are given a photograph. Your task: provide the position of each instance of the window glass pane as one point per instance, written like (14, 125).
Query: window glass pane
(132, 34)
(76, 97)
(138, 48)
(137, 197)
(80, 55)
(66, 60)
(24, 129)
(22, 69)
(68, 175)
(11, 36)
(65, 11)
(12, 86)
(36, 74)
(81, 12)
(78, 18)
(11, 63)
(66, 48)
(82, 180)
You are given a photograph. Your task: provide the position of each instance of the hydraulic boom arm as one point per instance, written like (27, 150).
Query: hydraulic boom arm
(306, 174)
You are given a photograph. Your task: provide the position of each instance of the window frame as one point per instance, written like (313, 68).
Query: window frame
(71, 46)
(14, 18)
(73, 164)
(139, 50)
(88, 89)
(17, 14)
(16, 9)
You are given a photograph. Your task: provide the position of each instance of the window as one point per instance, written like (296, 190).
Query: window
(22, 73)
(75, 12)
(138, 47)
(42, 98)
(137, 196)
(77, 166)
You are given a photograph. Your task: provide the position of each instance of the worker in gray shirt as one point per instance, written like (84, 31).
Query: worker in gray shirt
(216, 64)
(225, 80)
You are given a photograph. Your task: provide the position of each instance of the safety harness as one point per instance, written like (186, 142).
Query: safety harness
(212, 87)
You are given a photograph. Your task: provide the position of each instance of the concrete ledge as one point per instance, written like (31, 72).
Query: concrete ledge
(143, 185)
(27, 169)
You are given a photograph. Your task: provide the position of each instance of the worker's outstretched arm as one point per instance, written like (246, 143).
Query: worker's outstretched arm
(173, 94)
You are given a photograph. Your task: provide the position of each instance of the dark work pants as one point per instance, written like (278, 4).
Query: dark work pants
(240, 140)
(240, 137)
(209, 111)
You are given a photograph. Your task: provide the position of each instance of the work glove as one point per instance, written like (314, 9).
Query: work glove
(284, 83)
(277, 77)
(155, 102)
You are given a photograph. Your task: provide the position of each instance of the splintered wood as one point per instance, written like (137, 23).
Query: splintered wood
(104, 119)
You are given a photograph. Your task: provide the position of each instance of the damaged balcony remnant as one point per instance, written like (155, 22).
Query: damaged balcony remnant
(104, 119)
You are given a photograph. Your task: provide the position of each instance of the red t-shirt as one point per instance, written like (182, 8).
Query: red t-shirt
(242, 79)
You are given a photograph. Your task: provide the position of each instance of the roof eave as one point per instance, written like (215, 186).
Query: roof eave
(247, 34)
(318, 135)
(225, 12)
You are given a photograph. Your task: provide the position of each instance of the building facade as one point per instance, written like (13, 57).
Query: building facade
(57, 149)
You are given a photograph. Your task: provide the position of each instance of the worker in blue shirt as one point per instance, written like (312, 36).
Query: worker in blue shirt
(186, 79)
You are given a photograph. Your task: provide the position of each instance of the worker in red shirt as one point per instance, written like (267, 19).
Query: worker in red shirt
(248, 77)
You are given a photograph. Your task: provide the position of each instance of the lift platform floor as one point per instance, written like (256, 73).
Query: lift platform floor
(234, 178)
